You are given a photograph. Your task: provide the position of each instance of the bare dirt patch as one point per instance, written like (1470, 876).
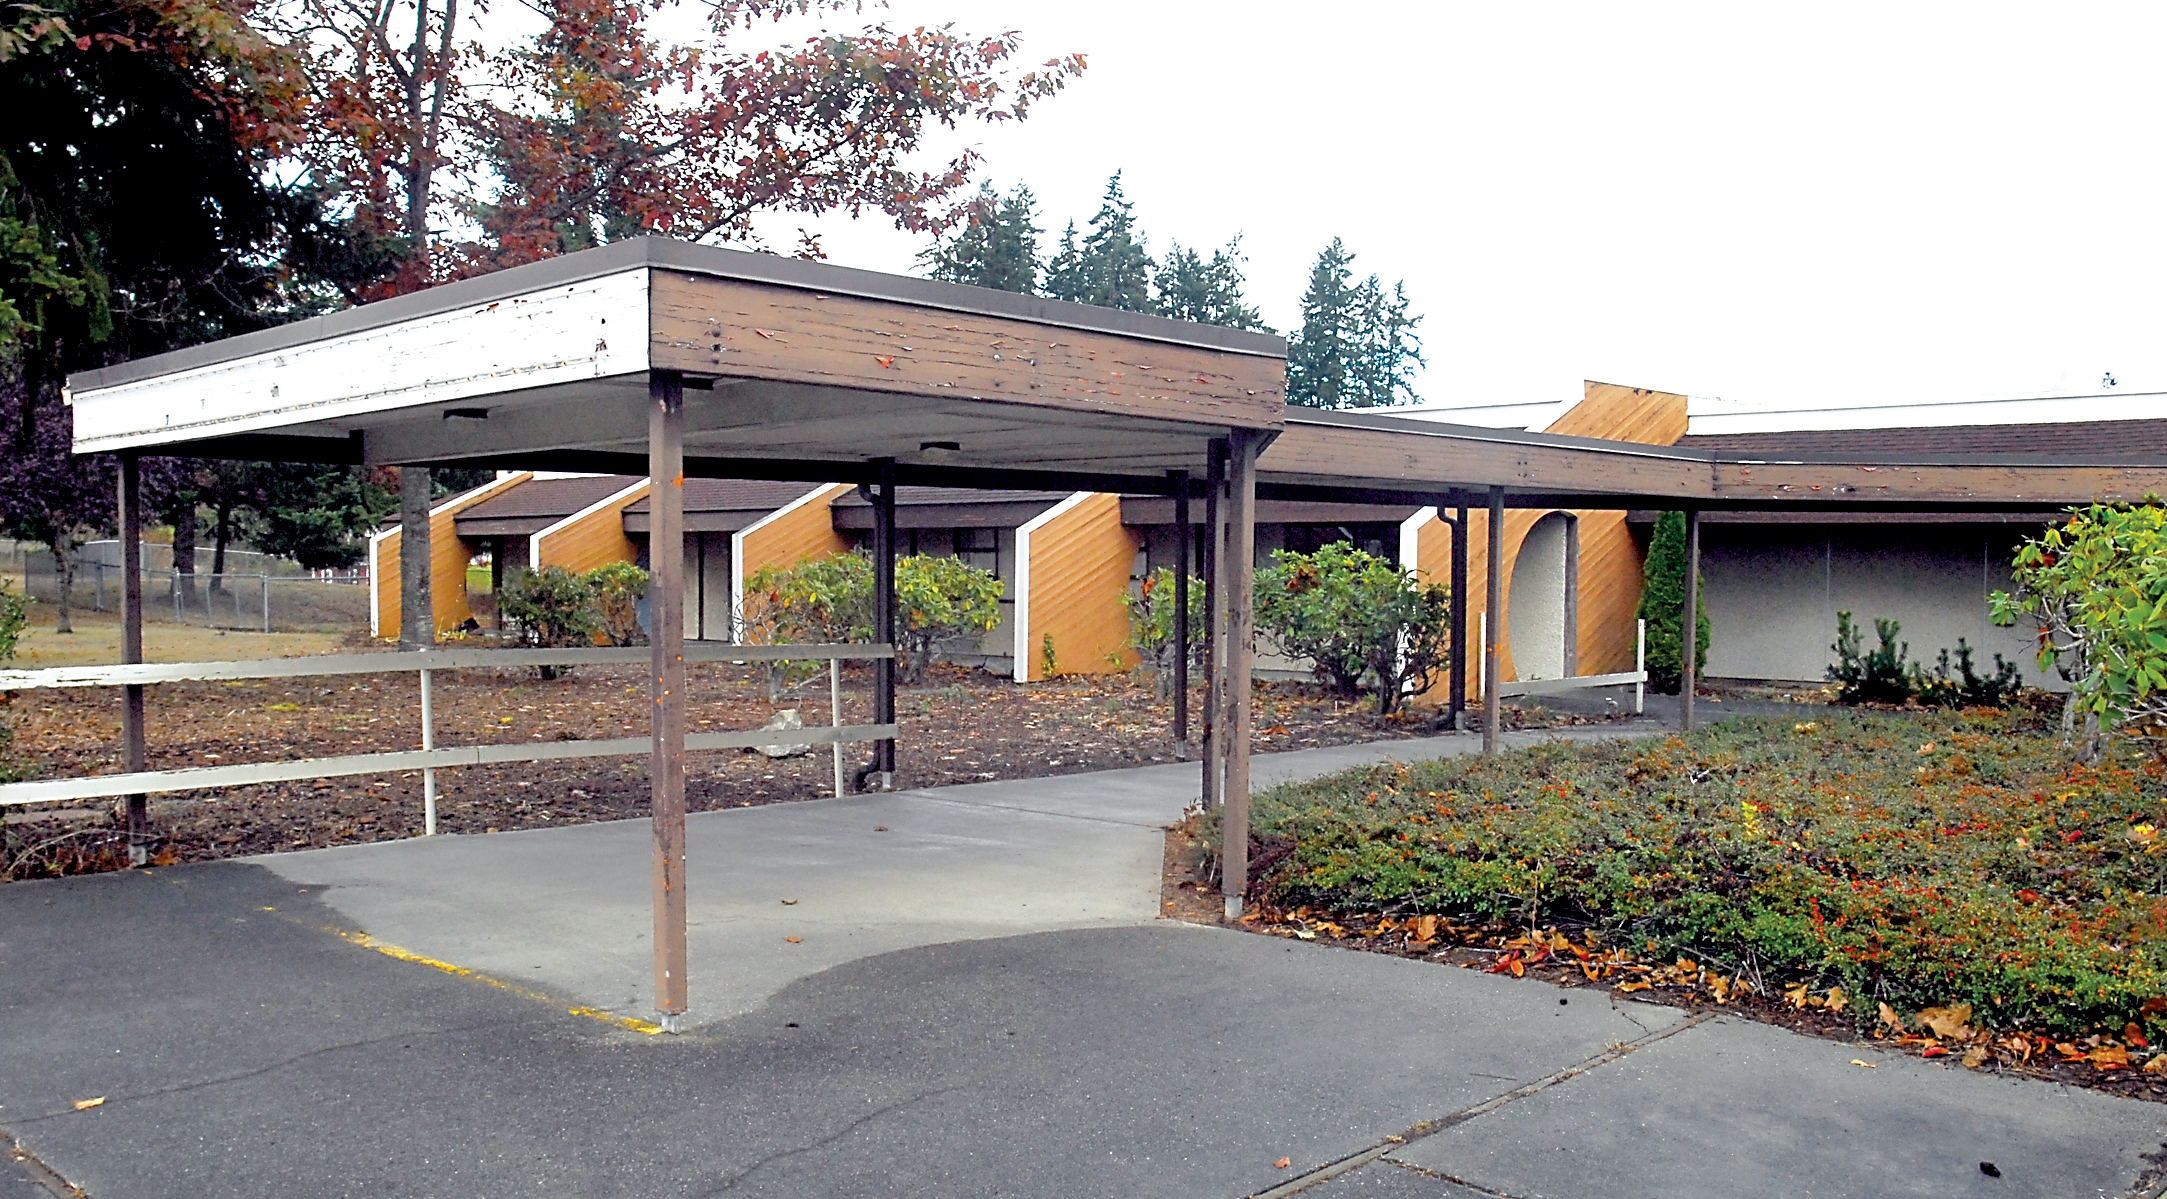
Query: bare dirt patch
(960, 726)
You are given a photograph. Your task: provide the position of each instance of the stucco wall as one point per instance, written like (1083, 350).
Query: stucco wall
(1773, 591)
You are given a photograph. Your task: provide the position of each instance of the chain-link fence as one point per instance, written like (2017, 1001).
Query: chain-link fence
(276, 595)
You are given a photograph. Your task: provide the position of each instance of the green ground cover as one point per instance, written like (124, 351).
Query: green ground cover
(1915, 860)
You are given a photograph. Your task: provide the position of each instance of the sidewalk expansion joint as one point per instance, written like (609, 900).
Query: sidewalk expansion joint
(1425, 1128)
(37, 1171)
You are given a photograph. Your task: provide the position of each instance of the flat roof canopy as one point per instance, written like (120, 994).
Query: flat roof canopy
(796, 368)
(807, 371)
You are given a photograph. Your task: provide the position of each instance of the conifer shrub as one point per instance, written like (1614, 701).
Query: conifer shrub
(1662, 605)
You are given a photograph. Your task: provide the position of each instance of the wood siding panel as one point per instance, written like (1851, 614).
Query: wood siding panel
(1079, 569)
(727, 327)
(592, 538)
(1610, 557)
(448, 556)
(806, 531)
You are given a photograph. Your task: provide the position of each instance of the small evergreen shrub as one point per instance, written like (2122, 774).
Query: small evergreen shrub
(618, 588)
(830, 601)
(1662, 605)
(550, 608)
(1882, 675)
(1151, 623)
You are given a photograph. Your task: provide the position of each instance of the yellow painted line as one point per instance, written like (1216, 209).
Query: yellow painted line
(366, 941)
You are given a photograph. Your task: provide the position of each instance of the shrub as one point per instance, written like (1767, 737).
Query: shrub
(830, 601)
(618, 588)
(1662, 605)
(1356, 617)
(550, 607)
(2097, 585)
(1882, 676)
(1958, 859)
(1151, 623)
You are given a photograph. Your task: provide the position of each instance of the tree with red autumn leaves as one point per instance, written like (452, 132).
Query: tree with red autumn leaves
(595, 130)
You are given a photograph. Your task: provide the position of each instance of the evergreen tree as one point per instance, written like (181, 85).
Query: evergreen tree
(1110, 268)
(1192, 289)
(1357, 346)
(1662, 604)
(997, 246)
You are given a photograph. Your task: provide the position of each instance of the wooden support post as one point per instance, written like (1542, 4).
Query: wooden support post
(1689, 631)
(1493, 628)
(1460, 606)
(1214, 625)
(417, 608)
(133, 747)
(1572, 596)
(1239, 573)
(666, 634)
(884, 616)
(1182, 536)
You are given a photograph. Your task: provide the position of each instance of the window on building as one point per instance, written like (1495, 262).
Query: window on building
(981, 548)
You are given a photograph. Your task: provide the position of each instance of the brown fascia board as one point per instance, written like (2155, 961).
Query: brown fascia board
(858, 518)
(712, 520)
(1142, 511)
(1647, 516)
(508, 527)
(661, 253)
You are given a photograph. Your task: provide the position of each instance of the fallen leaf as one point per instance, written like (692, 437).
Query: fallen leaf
(2156, 1065)
(885, 361)
(1282, 1163)
(1975, 1057)
(1426, 926)
(1796, 992)
(2109, 1057)
(1837, 1001)
(1888, 1014)
(1948, 1023)
(1630, 987)
(1303, 934)
(2134, 1035)
(794, 940)
(81, 1104)
(790, 902)
(1857, 1062)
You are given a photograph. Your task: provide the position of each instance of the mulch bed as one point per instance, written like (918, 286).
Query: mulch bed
(957, 726)
(1552, 956)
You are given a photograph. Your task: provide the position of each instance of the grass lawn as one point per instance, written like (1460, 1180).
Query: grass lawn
(1914, 861)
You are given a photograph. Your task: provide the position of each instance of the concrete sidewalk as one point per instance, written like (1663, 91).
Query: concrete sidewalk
(982, 1005)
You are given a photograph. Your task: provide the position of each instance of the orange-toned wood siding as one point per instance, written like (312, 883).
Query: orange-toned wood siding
(1079, 567)
(448, 558)
(806, 531)
(1610, 559)
(595, 537)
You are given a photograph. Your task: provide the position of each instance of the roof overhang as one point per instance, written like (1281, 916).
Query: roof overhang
(801, 366)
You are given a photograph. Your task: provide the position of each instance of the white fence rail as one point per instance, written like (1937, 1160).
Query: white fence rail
(1638, 676)
(430, 758)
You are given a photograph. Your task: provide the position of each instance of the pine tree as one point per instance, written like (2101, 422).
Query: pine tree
(1318, 353)
(1357, 346)
(1662, 604)
(1111, 268)
(997, 246)
(1192, 289)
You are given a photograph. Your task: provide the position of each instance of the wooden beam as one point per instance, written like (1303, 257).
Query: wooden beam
(737, 329)
(666, 637)
(1182, 540)
(134, 748)
(1214, 772)
(1240, 575)
(1689, 632)
(1460, 599)
(1493, 636)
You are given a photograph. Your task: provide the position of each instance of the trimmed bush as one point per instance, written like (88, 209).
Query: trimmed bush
(1662, 605)
(1358, 619)
(830, 601)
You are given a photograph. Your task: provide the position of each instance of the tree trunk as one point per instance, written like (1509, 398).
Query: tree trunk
(221, 533)
(184, 554)
(64, 574)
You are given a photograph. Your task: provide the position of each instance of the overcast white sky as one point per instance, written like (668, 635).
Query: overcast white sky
(1824, 202)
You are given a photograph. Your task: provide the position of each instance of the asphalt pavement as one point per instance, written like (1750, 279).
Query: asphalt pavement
(399, 1020)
